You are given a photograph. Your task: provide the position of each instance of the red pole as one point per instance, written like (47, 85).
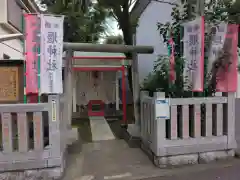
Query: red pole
(124, 102)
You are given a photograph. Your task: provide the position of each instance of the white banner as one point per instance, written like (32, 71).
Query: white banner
(51, 54)
(218, 39)
(194, 55)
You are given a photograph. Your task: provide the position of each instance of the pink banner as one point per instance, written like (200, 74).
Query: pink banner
(172, 61)
(32, 43)
(227, 77)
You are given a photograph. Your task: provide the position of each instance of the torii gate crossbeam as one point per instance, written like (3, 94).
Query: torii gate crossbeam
(88, 47)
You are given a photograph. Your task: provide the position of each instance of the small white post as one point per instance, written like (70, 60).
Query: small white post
(117, 92)
(161, 114)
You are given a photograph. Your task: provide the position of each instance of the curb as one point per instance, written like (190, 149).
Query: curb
(237, 153)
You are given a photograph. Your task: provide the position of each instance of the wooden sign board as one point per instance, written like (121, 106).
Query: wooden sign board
(9, 84)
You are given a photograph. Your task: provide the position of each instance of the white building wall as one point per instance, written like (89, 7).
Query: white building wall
(12, 48)
(147, 34)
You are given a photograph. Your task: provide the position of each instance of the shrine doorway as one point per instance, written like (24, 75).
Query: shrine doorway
(97, 78)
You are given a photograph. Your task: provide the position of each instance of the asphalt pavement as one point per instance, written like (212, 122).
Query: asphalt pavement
(230, 171)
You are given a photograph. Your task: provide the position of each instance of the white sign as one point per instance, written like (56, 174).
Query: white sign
(54, 111)
(51, 54)
(162, 110)
(194, 54)
(217, 43)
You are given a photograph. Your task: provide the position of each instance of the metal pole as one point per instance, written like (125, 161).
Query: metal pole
(7, 37)
(24, 63)
(87, 47)
(39, 64)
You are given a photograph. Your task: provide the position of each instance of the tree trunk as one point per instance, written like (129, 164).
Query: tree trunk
(126, 27)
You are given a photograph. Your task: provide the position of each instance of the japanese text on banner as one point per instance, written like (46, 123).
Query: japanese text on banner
(218, 39)
(193, 54)
(52, 47)
(32, 29)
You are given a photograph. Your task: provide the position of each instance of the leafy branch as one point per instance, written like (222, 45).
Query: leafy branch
(214, 14)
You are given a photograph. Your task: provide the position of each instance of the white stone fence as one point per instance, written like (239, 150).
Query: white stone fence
(197, 129)
(33, 138)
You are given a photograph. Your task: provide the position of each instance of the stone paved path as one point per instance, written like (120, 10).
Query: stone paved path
(109, 159)
(113, 159)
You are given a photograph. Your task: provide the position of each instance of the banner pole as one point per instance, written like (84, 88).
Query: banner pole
(24, 63)
(169, 66)
(39, 64)
(181, 48)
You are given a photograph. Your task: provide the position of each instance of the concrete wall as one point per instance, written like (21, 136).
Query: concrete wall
(10, 17)
(147, 34)
(3, 11)
(12, 48)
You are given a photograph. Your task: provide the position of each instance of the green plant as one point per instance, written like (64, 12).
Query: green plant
(158, 79)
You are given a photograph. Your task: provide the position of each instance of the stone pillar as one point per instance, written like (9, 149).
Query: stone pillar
(117, 92)
(68, 88)
(74, 92)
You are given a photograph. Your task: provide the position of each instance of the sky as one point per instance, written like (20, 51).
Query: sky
(42, 7)
(112, 27)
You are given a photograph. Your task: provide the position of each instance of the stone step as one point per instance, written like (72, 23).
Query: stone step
(100, 129)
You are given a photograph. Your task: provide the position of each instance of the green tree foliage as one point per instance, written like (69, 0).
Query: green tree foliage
(158, 80)
(114, 40)
(81, 24)
(87, 25)
(120, 10)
